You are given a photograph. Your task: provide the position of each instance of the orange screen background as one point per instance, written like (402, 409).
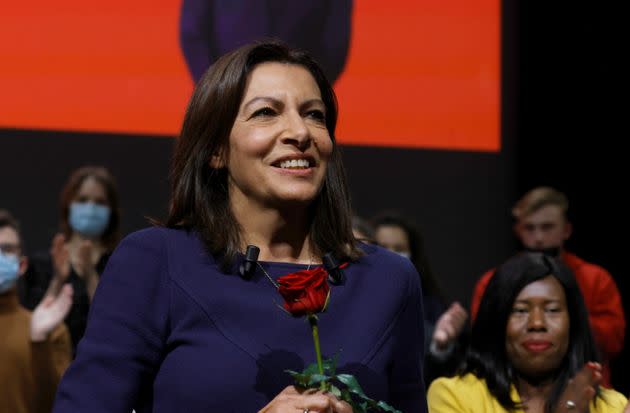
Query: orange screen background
(422, 74)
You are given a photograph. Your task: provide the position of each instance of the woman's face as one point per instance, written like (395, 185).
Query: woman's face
(279, 145)
(394, 238)
(537, 336)
(89, 212)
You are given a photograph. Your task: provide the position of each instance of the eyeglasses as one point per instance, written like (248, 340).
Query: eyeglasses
(10, 249)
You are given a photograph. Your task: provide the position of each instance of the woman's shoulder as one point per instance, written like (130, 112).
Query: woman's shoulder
(159, 238)
(156, 235)
(467, 382)
(459, 393)
(611, 401)
(381, 258)
(173, 248)
(378, 264)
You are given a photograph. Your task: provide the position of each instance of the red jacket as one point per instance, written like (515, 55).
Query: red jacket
(601, 297)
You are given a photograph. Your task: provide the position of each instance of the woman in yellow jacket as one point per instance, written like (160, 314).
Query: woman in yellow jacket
(531, 348)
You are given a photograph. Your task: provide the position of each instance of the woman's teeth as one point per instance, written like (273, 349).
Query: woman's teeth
(295, 164)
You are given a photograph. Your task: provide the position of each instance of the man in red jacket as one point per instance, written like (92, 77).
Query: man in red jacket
(542, 225)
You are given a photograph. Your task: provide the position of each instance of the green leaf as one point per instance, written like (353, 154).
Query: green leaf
(330, 365)
(301, 379)
(311, 369)
(357, 407)
(335, 390)
(352, 383)
(387, 408)
(317, 378)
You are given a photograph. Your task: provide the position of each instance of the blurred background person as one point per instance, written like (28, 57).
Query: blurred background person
(443, 327)
(531, 348)
(35, 348)
(209, 29)
(89, 221)
(542, 225)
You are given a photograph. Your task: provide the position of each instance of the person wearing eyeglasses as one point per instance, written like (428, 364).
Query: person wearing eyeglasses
(35, 347)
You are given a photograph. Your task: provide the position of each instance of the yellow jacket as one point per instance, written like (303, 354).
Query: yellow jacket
(469, 394)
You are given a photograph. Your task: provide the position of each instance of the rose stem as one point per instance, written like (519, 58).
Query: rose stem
(312, 319)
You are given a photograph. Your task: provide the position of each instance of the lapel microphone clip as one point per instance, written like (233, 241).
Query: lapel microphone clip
(248, 266)
(335, 273)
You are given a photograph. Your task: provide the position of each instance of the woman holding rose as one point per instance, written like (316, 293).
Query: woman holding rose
(175, 328)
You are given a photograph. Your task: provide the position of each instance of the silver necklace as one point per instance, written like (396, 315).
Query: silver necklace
(275, 284)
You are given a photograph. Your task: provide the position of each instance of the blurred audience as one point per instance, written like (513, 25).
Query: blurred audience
(542, 225)
(35, 348)
(90, 223)
(531, 348)
(444, 343)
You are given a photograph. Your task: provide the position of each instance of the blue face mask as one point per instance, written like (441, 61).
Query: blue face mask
(9, 271)
(89, 219)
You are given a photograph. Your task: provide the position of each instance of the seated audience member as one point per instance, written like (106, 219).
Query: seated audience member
(542, 225)
(89, 223)
(443, 326)
(531, 348)
(35, 347)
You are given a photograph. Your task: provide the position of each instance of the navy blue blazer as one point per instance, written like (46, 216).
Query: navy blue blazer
(169, 332)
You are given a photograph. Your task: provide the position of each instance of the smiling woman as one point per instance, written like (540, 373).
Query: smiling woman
(174, 328)
(531, 347)
(279, 145)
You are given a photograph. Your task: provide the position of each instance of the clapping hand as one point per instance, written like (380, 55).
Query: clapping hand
(449, 325)
(50, 313)
(60, 257)
(290, 400)
(82, 263)
(580, 390)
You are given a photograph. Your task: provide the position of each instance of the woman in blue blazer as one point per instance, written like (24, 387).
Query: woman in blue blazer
(174, 327)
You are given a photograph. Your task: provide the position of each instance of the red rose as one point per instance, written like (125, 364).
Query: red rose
(305, 292)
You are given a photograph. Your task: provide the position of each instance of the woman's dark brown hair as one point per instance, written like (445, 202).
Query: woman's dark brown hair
(69, 192)
(199, 193)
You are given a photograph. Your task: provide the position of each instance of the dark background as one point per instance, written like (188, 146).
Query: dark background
(562, 124)
(572, 108)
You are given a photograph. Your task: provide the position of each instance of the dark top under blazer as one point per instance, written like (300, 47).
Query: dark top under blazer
(169, 332)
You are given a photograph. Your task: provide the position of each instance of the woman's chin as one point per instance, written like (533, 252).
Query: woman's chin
(295, 199)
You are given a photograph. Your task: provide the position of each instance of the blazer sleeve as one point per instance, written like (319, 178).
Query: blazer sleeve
(406, 384)
(127, 327)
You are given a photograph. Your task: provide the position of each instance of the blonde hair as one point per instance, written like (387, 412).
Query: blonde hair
(538, 198)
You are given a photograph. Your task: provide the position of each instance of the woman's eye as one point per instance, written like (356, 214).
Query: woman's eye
(519, 310)
(317, 115)
(264, 112)
(553, 310)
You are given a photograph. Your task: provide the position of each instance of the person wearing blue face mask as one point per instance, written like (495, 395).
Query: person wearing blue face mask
(35, 349)
(89, 224)
(89, 219)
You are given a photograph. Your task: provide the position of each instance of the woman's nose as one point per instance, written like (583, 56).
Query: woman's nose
(296, 131)
(536, 320)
